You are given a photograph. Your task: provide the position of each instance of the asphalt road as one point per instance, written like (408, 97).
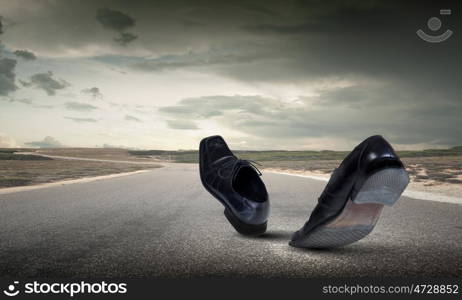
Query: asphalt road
(163, 223)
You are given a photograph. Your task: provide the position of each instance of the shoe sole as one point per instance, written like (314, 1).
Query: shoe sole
(244, 228)
(360, 214)
(239, 226)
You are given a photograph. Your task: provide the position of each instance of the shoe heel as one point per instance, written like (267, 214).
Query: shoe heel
(383, 187)
(243, 228)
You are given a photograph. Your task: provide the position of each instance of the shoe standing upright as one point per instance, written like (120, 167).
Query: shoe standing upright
(236, 184)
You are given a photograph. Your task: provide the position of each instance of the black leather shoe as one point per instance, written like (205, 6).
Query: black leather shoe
(370, 177)
(236, 184)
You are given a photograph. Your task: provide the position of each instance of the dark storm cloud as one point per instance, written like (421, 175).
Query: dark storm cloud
(212, 106)
(160, 25)
(47, 142)
(46, 82)
(400, 84)
(94, 92)
(7, 70)
(114, 20)
(205, 59)
(332, 17)
(77, 106)
(354, 116)
(132, 119)
(7, 76)
(125, 38)
(82, 120)
(117, 21)
(25, 54)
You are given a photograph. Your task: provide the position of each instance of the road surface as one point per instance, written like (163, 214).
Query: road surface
(162, 223)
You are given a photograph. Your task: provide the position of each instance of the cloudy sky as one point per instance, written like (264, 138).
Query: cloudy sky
(264, 74)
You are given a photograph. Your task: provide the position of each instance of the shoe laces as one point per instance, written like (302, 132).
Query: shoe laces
(234, 163)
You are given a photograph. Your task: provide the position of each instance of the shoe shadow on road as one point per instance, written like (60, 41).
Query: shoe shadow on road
(354, 250)
(275, 235)
(330, 251)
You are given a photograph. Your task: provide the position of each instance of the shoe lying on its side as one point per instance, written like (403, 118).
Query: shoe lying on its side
(370, 177)
(236, 184)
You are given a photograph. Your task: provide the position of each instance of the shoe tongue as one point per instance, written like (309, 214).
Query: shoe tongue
(228, 166)
(237, 168)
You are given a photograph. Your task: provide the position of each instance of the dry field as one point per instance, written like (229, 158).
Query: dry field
(443, 171)
(433, 170)
(440, 175)
(427, 170)
(30, 171)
